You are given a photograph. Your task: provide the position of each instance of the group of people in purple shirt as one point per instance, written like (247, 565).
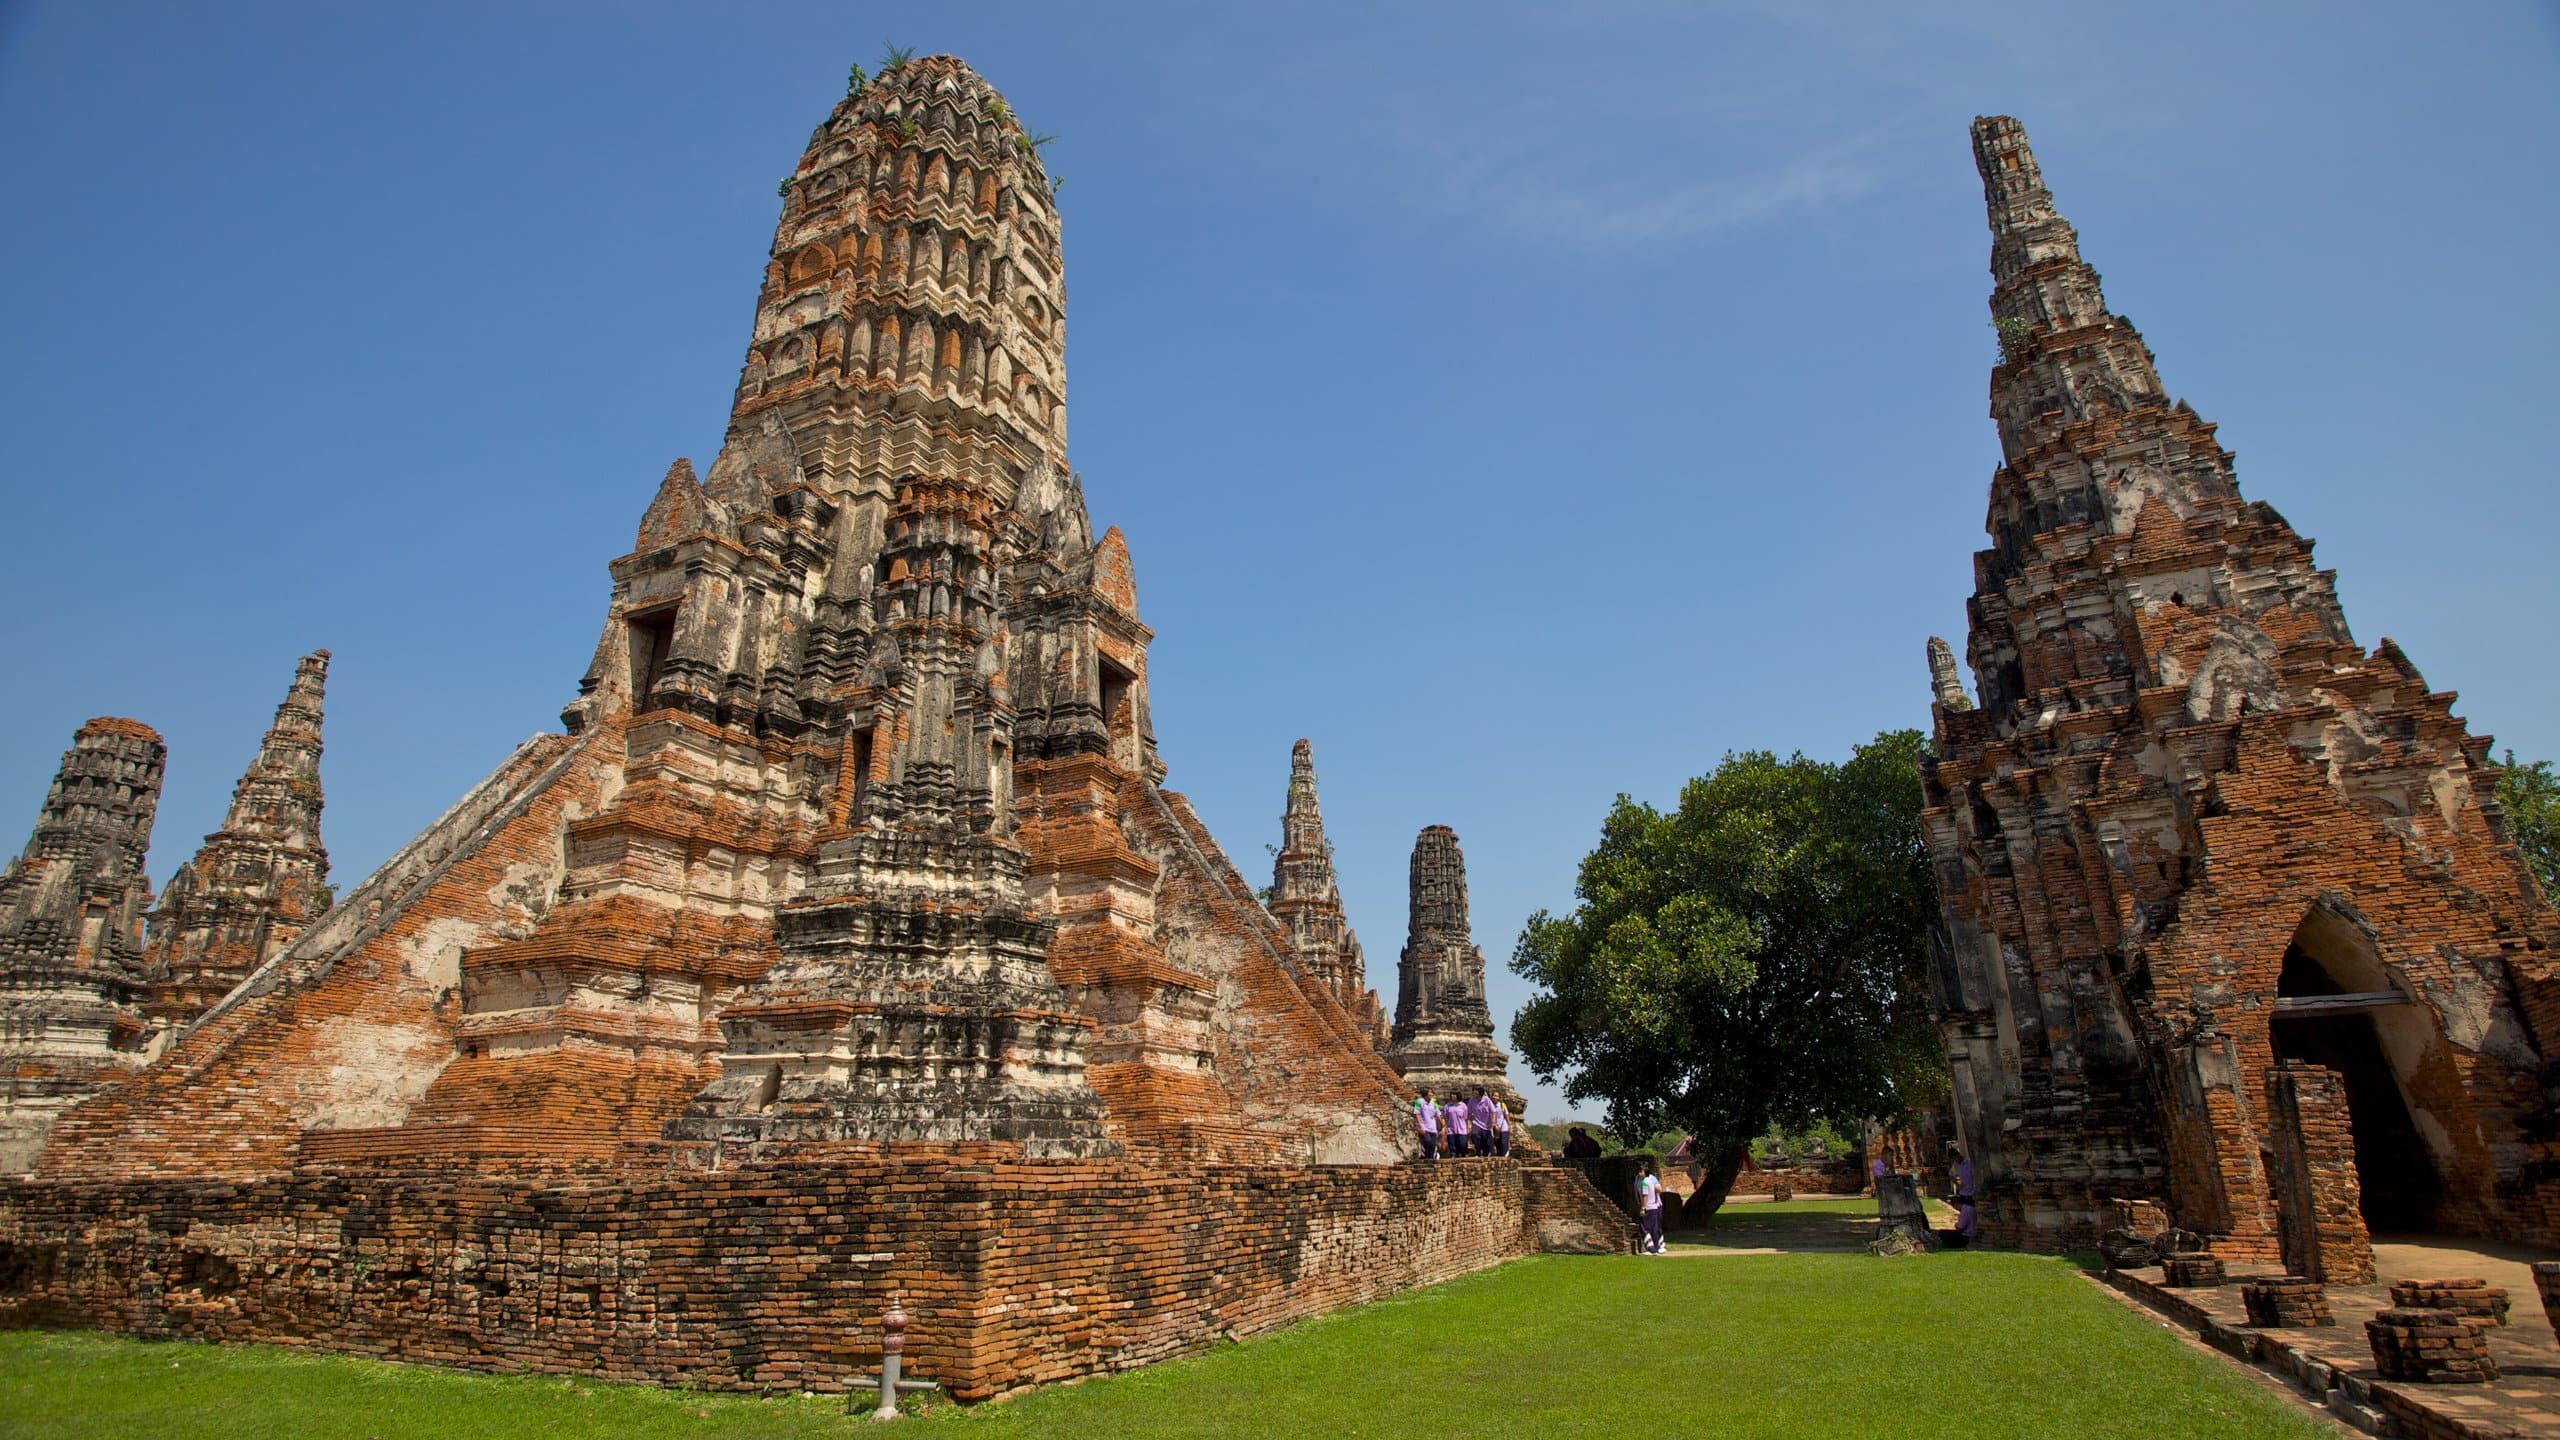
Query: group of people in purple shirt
(1460, 1126)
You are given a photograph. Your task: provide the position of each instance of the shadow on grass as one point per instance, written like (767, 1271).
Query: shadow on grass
(1787, 1226)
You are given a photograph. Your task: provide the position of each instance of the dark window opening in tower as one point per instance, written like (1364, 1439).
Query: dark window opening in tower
(653, 634)
(858, 784)
(1116, 683)
(1986, 821)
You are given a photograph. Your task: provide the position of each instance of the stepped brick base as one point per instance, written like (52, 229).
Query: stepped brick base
(774, 1277)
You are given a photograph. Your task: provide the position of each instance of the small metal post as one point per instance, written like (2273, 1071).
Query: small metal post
(893, 1349)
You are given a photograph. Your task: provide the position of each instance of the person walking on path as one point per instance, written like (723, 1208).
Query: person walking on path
(1453, 1121)
(1492, 1124)
(1426, 1124)
(1649, 1207)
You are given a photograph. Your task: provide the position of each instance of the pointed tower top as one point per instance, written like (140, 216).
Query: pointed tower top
(310, 684)
(278, 797)
(2025, 228)
(1303, 868)
(1306, 897)
(2065, 361)
(1944, 678)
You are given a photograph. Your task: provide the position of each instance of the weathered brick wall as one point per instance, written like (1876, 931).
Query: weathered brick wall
(349, 1027)
(768, 1278)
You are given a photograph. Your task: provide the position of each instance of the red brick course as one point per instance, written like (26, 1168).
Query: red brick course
(767, 1278)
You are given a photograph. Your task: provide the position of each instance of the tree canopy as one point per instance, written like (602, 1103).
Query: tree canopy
(2530, 794)
(1757, 957)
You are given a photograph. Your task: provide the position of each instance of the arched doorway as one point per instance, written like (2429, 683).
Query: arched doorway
(2337, 1008)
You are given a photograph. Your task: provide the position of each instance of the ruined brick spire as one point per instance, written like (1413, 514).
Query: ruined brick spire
(2185, 800)
(1306, 898)
(1443, 1035)
(257, 882)
(2088, 437)
(71, 918)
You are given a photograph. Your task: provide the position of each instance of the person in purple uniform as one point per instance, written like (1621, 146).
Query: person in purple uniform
(1492, 1125)
(1649, 1204)
(1426, 1124)
(1453, 1122)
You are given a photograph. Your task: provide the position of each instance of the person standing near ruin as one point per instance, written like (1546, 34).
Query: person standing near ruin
(1492, 1124)
(1426, 1124)
(1649, 1208)
(1453, 1122)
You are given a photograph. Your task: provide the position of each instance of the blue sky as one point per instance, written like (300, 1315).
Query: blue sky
(1527, 403)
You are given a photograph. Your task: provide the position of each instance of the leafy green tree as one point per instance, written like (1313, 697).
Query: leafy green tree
(2530, 794)
(1756, 958)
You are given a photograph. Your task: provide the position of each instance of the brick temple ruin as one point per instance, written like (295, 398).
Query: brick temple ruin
(95, 981)
(1306, 899)
(2235, 923)
(1442, 1040)
(846, 946)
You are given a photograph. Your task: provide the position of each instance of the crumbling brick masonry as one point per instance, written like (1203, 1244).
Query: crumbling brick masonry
(847, 943)
(2186, 829)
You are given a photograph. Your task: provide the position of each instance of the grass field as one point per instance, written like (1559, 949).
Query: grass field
(1839, 1345)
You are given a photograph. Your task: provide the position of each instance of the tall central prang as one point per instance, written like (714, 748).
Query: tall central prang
(895, 467)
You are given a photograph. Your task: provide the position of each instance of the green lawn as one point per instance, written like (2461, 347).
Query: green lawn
(1983, 1345)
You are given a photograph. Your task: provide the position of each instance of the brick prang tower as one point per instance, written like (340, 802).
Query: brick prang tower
(2200, 854)
(72, 976)
(1306, 898)
(900, 431)
(1443, 1035)
(257, 882)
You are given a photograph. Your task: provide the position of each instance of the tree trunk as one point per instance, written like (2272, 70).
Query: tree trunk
(1714, 1184)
